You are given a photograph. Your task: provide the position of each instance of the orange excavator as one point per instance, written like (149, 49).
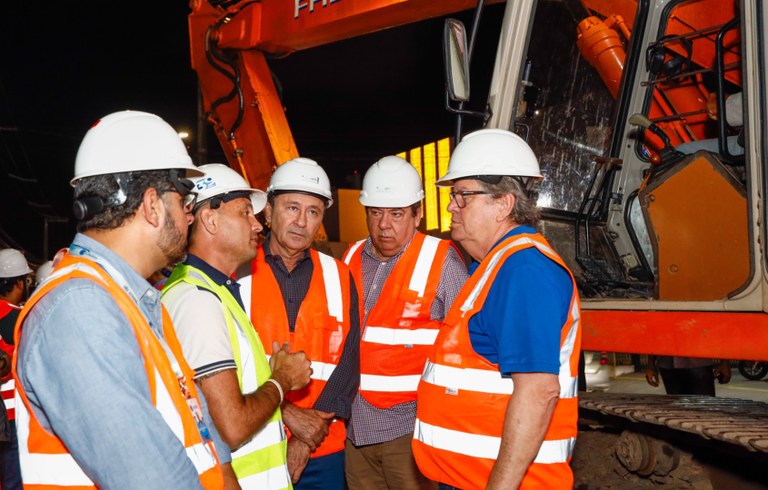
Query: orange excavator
(648, 117)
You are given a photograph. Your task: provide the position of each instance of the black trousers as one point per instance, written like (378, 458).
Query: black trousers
(689, 381)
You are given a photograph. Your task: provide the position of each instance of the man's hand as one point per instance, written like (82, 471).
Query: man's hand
(722, 372)
(230, 480)
(652, 376)
(291, 370)
(298, 457)
(307, 424)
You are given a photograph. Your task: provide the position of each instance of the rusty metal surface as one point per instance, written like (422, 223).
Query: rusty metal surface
(732, 420)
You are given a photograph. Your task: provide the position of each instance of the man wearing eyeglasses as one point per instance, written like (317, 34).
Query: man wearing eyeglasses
(104, 396)
(409, 281)
(497, 403)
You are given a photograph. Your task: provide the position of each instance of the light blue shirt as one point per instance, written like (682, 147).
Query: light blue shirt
(80, 365)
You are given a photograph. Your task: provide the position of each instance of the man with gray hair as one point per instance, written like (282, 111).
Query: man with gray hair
(497, 403)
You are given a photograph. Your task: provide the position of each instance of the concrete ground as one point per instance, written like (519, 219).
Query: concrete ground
(623, 379)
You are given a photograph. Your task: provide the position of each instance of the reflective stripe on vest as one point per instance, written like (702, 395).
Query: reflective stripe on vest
(44, 459)
(9, 397)
(480, 446)
(264, 455)
(7, 388)
(457, 443)
(399, 331)
(321, 326)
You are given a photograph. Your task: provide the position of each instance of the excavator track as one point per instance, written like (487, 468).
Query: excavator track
(740, 422)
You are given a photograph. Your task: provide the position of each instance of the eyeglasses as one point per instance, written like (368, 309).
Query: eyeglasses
(184, 187)
(460, 196)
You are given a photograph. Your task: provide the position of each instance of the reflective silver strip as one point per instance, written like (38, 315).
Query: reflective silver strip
(320, 370)
(245, 293)
(568, 380)
(45, 469)
(332, 286)
(273, 479)
(370, 382)
(480, 380)
(400, 336)
(483, 381)
(481, 446)
(249, 381)
(9, 387)
(164, 405)
(351, 252)
(200, 454)
(269, 435)
(569, 385)
(469, 303)
(423, 265)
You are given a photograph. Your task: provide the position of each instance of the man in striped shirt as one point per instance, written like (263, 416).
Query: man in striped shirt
(409, 282)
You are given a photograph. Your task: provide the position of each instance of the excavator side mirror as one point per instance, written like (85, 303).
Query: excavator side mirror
(456, 60)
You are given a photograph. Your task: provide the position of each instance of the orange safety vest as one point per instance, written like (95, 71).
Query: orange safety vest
(399, 332)
(321, 327)
(46, 462)
(8, 387)
(462, 398)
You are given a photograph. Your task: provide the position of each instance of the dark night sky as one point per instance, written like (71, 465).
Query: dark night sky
(65, 64)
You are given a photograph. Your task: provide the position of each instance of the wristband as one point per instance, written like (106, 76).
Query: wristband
(279, 388)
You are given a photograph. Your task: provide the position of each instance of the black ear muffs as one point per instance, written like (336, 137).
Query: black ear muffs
(656, 54)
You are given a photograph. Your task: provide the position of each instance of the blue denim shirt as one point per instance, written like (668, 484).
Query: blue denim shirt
(81, 367)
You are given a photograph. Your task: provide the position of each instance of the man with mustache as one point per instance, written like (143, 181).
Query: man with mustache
(300, 296)
(105, 398)
(409, 281)
(217, 337)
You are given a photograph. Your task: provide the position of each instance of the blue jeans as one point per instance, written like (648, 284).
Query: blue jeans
(10, 472)
(323, 473)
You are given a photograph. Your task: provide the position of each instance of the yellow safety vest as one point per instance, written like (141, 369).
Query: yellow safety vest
(261, 462)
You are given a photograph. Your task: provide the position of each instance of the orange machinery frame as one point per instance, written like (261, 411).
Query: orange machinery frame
(264, 140)
(255, 28)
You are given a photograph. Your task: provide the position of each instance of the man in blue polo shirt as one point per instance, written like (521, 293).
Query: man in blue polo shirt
(497, 403)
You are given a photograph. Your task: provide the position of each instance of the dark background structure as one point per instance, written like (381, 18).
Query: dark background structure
(66, 64)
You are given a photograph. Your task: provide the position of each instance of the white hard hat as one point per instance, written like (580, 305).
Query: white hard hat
(130, 141)
(43, 271)
(219, 179)
(301, 175)
(491, 152)
(391, 182)
(13, 264)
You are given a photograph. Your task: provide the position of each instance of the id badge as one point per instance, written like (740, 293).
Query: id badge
(196, 409)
